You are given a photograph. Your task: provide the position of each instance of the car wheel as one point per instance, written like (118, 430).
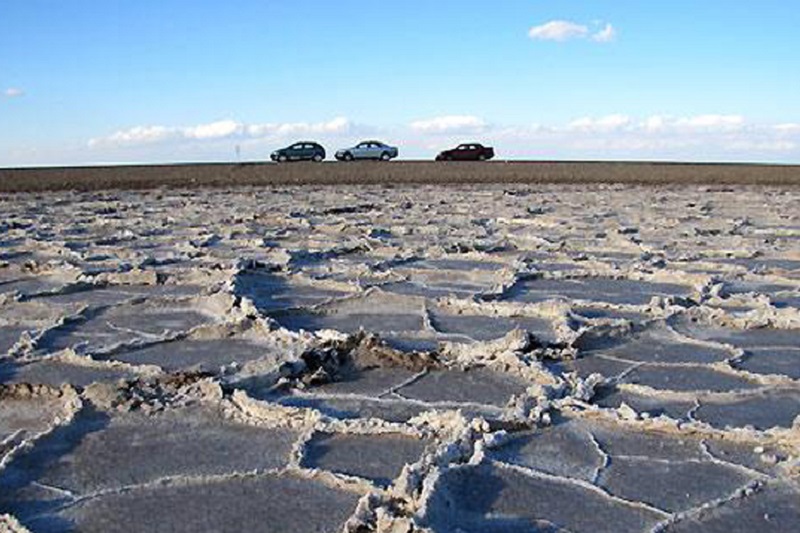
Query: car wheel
(348, 156)
(385, 156)
(317, 158)
(282, 159)
(481, 157)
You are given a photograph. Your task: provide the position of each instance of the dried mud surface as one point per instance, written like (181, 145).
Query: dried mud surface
(401, 359)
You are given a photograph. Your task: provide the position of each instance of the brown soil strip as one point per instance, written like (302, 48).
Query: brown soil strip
(395, 173)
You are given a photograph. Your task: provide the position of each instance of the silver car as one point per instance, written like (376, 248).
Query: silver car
(368, 150)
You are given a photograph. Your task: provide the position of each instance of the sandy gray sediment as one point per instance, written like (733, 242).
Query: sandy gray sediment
(398, 359)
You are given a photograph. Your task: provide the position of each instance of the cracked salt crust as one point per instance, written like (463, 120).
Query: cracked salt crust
(502, 358)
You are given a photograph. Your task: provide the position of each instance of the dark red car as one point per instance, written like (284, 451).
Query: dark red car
(467, 152)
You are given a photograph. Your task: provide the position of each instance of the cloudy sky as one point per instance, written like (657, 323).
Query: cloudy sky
(85, 82)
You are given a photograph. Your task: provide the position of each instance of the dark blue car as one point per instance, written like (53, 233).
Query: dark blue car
(300, 151)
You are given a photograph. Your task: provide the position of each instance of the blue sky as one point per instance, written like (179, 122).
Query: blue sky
(84, 81)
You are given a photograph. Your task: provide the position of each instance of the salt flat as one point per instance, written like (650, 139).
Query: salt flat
(582, 357)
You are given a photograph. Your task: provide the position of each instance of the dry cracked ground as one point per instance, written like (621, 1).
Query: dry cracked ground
(355, 359)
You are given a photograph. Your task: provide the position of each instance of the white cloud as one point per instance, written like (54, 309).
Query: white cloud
(13, 92)
(606, 35)
(787, 128)
(137, 135)
(712, 122)
(655, 123)
(607, 123)
(450, 124)
(337, 125)
(558, 30)
(704, 137)
(565, 30)
(214, 130)
(222, 129)
(665, 123)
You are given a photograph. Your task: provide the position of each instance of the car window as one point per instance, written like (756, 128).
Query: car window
(296, 147)
(463, 147)
(309, 146)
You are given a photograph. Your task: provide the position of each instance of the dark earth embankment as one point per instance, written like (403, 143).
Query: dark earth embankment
(394, 173)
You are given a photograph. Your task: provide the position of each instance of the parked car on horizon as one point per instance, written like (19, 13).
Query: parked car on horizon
(300, 151)
(467, 152)
(368, 150)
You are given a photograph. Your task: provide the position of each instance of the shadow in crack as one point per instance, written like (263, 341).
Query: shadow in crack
(8, 369)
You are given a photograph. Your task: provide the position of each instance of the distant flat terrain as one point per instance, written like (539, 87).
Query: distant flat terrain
(399, 172)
